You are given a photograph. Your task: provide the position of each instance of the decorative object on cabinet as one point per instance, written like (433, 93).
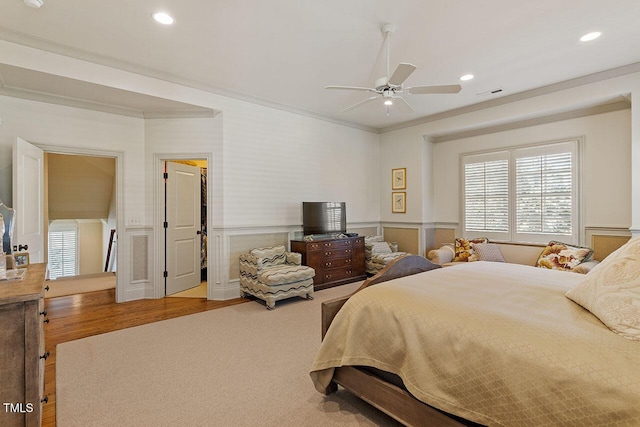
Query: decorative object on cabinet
(273, 274)
(399, 202)
(336, 261)
(22, 259)
(22, 315)
(399, 179)
(8, 216)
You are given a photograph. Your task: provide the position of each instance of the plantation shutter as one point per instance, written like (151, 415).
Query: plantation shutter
(63, 243)
(486, 195)
(546, 193)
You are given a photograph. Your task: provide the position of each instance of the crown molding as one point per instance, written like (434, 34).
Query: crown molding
(544, 90)
(60, 49)
(616, 104)
(48, 46)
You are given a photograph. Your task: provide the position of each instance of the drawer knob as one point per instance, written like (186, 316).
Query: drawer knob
(43, 312)
(46, 320)
(46, 288)
(45, 356)
(328, 264)
(45, 399)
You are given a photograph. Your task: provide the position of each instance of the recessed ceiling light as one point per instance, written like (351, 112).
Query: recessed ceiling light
(163, 18)
(590, 36)
(466, 77)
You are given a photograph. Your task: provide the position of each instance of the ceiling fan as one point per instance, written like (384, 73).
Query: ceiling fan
(390, 88)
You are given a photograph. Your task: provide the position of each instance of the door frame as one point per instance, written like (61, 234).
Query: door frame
(120, 225)
(158, 215)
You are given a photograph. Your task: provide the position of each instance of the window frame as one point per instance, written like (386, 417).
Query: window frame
(61, 226)
(574, 145)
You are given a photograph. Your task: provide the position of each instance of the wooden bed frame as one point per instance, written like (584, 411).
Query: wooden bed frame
(389, 398)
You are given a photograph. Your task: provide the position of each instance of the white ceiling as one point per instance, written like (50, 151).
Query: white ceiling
(283, 52)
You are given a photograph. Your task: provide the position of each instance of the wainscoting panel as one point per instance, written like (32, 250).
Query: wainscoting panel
(138, 251)
(605, 240)
(242, 243)
(408, 239)
(442, 236)
(365, 231)
(139, 255)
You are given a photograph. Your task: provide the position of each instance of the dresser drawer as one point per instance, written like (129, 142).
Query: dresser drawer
(335, 274)
(337, 253)
(337, 244)
(337, 263)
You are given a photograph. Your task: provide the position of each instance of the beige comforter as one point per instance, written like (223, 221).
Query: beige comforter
(495, 343)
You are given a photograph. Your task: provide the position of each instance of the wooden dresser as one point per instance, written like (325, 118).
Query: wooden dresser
(336, 261)
(22, 352)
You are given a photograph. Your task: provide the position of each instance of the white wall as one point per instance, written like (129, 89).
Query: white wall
(266, 161)
(612, 155)
(274, 160)
(56, 125)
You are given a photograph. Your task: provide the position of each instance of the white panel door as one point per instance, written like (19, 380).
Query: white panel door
(183, 203)
(28, 199)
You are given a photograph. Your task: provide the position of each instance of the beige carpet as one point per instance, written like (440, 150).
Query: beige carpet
(236, 366)
(80, 284)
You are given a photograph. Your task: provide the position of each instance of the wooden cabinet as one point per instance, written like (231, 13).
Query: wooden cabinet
(336, 261)
(22, 352)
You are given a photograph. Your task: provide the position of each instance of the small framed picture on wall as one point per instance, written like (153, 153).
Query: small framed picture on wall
(399, 179)
(399, 202)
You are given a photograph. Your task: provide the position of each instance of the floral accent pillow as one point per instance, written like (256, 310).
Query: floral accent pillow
(562, 256)
(611, 291)
(464, 249)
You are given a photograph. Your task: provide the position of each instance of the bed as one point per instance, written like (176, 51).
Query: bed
(486, 343)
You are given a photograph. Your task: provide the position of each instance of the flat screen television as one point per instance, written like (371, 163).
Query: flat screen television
(324, 217)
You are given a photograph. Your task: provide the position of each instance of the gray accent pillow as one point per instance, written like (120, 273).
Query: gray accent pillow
(488, 252)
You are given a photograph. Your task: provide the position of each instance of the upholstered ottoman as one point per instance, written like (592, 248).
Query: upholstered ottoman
(272, 274)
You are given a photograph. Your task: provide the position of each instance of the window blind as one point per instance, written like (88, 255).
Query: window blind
(525, 194)
(486, 194)
(62, 253)
(544, 194)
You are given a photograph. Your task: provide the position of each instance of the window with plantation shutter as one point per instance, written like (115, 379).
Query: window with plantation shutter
(546, 193)
(63, 244)
(486, 195)
(525, 194)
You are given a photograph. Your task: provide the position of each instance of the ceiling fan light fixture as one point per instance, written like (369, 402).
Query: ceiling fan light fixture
(388, 102)
(163, 18)
(590, 36)
(467, 77)
(36, 4)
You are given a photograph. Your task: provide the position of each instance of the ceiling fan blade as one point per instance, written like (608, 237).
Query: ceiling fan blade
(365, 89)
(403, 105)
(401, 73)
(418, 90)
(372, 98)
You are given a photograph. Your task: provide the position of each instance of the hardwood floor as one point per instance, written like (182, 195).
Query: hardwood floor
(83, 315)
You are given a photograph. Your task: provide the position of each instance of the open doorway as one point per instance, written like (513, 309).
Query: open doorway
(80, 212)
(185, 228)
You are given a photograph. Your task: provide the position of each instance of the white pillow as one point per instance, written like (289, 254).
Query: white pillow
(611, 291)
(378, 248)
